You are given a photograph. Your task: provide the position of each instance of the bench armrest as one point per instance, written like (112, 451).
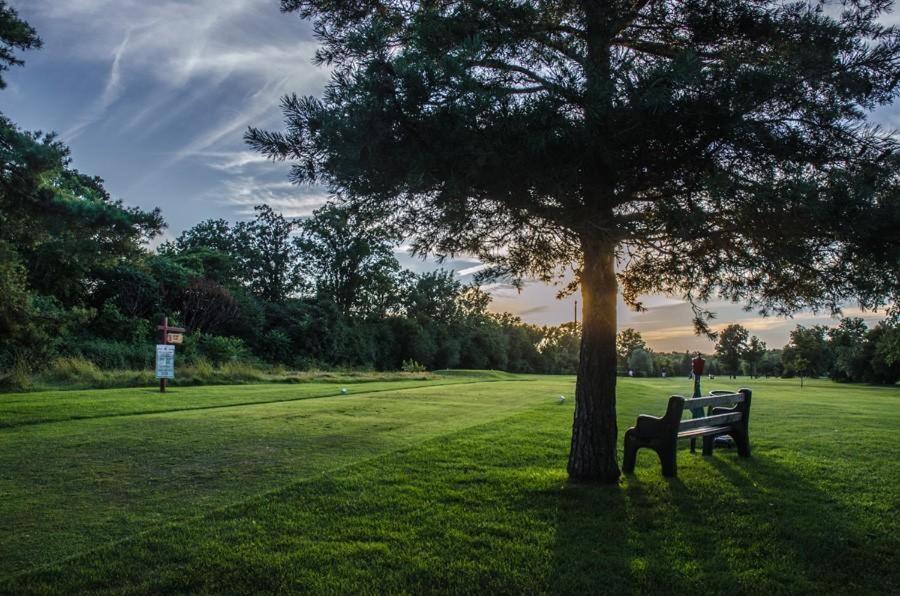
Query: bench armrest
(648, 426)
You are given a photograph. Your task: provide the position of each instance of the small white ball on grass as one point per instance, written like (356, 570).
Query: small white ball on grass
(562, 398)
(343, 391)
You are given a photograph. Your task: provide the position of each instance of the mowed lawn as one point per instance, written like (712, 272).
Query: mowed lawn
(455, 484)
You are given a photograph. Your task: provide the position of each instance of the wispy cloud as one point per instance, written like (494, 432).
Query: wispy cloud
(110, 93)
(283, 196)
(471, 270)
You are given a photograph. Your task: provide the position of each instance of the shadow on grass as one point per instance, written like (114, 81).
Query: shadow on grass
(731, 526)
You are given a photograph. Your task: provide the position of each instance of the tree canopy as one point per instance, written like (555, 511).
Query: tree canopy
(711, 148)
(15, 34)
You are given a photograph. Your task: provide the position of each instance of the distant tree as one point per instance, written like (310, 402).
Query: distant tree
(717, 147)
(882, 352)
(215, 234)
(628, 340)
(685, 368)
(807, 354)
(560, 348)
(350, 260)
(641, 362)
(433, 295)
(267, 258)
(753, 354)
(206, 306)
(846, 342)
(15, 34)
(803, 368)
(731, 346)
(771, 365)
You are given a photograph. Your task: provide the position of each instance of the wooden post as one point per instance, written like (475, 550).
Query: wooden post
(165, 334)
(165, 330)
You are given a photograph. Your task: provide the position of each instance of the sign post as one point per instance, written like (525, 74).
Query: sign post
(165, 352)
(697, 365)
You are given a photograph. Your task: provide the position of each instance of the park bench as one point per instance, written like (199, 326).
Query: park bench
(728, 414)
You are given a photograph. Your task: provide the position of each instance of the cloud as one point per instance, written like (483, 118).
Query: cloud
(285, 197)
(173, 46)
(109, 96)
(533, 310)
(233, 161)
(471, 270)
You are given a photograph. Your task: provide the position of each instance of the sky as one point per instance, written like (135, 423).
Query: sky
(154, 97)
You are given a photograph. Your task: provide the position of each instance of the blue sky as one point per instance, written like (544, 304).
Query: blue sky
(154, 97)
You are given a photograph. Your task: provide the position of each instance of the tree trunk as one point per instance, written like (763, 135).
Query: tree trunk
(592, 456)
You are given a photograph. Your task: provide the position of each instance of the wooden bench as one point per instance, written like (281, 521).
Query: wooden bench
(728, 414)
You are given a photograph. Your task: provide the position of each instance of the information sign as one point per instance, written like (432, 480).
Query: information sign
(165, 361)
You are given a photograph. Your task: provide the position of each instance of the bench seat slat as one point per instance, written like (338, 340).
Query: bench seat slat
(717, 420)
(702, 431)
(713, 400)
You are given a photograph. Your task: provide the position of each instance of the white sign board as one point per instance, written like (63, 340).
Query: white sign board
(165, 362)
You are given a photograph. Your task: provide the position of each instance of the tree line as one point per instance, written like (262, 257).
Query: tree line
(849, 351)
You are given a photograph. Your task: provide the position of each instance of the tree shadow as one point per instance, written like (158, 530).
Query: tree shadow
(727, 525)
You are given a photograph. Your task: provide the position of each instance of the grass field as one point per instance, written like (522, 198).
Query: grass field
(455, 484)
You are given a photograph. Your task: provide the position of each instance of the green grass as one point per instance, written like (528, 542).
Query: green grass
(452, 485)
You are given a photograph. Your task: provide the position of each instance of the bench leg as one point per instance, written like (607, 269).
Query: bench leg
(742, 440)
(630, 456)
(668, 461)
(708, 445)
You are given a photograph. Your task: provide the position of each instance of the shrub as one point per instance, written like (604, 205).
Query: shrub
(17, 378)
(73, 369)
(411, 366)
(221, 350)
(241, 372)
(115, 355)
(275, 347)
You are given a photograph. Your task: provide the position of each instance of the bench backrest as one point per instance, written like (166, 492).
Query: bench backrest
(725, 407)
(716, 398)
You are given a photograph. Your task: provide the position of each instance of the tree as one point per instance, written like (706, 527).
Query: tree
(753, 354)
(712, 147)
(882, 352)
(560, 347)
(206, 305)
(771, 364)
(350, 260)
(807, 354)
(731, 346)
(628, 340)
(15, 34)
(266, 255)
(640, 362)
(846, 344)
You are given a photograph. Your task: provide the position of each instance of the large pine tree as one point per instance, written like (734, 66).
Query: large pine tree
(706, 148)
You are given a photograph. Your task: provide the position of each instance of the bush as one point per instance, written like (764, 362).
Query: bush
(17, 378)
(275, 347)
(222, 350)
(411, 366)
(72, 369)
(115, 355)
